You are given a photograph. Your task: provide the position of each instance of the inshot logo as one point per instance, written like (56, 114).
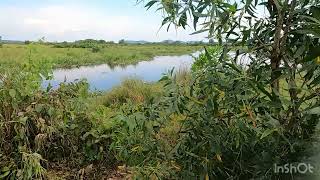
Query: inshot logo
(301, 168)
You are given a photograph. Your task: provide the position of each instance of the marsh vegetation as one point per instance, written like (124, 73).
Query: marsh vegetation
(219, 120)
(66, 57)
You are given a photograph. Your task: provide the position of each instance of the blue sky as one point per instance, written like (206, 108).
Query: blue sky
(69, 20)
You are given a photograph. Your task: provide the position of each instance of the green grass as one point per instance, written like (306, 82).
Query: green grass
(130, 90)
(137, 91)
(70, 57)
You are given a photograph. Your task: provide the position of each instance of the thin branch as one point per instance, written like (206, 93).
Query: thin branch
(288, 24)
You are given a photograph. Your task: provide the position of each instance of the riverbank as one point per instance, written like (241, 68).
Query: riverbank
(113, 54)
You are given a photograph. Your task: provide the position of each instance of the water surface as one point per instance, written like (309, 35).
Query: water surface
(104, 77)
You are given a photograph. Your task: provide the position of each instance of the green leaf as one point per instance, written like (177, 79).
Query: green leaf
(200, 31)
(267, 133)
(23, 120)
(248, 3)
(150, 4)
(183, 20)
(315, 82)
(315, 12)
(315, 110)
(12, 93)
(308, 31)
(38, 108)
(168, 27)
(51, 111)
(166, 20)
(233, 66)
(5, 174)
(233, 8)
(299, 51)
(197, 14)
(315, 20)
(246, 34)
(131, 124)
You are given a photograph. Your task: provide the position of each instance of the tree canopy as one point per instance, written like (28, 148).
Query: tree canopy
(281, 34)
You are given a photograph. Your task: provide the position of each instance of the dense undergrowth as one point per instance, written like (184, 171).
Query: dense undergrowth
(217, 121)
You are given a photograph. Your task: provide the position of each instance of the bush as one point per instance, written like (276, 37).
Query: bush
(230, 126)
(38, 126)
(202, 61)
(131, 90)
(95, 49)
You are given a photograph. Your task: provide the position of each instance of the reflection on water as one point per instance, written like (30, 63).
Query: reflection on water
(103, 77)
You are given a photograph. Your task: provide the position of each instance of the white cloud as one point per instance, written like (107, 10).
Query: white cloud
(59, 23)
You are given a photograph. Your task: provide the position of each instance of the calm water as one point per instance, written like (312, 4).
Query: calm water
(104, 77)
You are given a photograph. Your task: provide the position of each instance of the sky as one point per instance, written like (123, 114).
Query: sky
(70, 20)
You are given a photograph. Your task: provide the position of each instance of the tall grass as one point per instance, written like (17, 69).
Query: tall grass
(183, 75)
(131, 90)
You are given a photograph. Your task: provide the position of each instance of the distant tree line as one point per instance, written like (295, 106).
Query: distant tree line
(87, 43)
(92, 43)
(170, 42)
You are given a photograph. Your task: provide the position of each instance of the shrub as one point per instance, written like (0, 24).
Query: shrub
(202, 61)
(230, 128)
(240, 119)
(241, 116)
(38, 126)
(131, 90)
(95, 49)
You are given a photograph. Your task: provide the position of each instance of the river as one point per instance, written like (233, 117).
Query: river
(104, 77)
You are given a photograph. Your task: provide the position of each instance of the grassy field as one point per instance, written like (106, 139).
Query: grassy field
(70, 57)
